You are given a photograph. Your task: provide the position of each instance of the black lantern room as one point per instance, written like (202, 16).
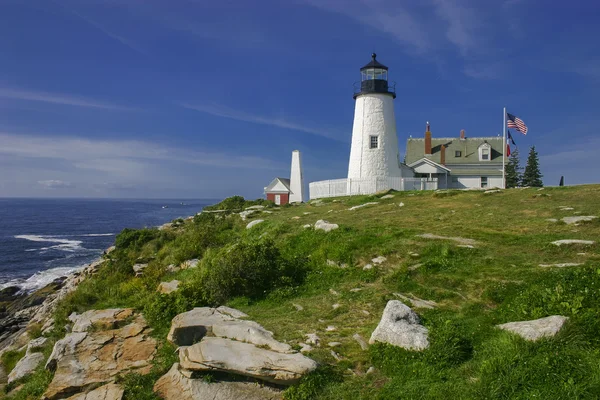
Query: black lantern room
(374, 79)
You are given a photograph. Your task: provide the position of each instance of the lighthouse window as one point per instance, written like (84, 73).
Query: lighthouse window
(374, 144)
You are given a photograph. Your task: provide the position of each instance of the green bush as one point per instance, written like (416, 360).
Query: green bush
(237, 203)
(313, 384)
(135, 238)
(10, 359)
(251, 269)
(162, 308)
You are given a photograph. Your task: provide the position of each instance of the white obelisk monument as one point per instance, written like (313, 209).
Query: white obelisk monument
(296, 179)
(374, 151)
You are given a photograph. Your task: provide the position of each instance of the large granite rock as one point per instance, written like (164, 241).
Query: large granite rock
(325, 226)
(100, 319)
(110, 391)
(25, 366)
(537, 328)
(84, 359)
(225, 355)
(190, 327)
(400, 326)
(176, 386)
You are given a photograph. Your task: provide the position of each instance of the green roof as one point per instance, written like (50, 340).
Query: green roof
(468, 148)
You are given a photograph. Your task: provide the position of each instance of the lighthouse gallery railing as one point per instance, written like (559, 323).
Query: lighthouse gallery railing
(349, 187)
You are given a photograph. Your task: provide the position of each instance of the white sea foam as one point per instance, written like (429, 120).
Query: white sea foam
(97, 234)
(64, 244)
(41, 278)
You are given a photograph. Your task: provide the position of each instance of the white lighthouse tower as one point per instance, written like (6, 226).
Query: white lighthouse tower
(374, 152)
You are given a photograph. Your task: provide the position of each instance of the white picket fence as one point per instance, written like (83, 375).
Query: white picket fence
(349, 187)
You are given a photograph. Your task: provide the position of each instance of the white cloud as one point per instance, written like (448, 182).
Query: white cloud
(225, 112)
(59, 98)
(461, 22)
(56, 184)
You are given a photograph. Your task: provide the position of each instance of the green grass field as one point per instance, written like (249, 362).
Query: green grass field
(269, 270)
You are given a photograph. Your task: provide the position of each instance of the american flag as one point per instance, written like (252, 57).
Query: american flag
(516, 123)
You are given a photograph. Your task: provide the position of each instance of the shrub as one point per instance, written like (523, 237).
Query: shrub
(135, 238)
(11, 358)
(237, 203)
(312, 384)
(162, 308)
(249, 269)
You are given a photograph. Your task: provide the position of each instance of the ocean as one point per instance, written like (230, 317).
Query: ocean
(43, 239)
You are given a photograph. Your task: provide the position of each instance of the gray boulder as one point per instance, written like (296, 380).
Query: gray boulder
(220, 354)
(36, 344)
(325, 226)
(139, 269)
(537, 328)
(400, 326)
(190, 327)
(174, 385)
(168, 287)
(25, 366)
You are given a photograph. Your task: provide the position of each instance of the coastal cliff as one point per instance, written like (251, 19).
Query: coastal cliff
(446, 294)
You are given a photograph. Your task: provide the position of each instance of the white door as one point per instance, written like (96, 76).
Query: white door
(277, 199)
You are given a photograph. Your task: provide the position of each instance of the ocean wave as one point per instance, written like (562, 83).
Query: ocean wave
(41, 278)
(96, 234)
(64, 244)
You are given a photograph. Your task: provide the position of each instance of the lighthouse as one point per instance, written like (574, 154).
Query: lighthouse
(374, 151)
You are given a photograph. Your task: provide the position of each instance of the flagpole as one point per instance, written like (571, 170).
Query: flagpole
(504, 149)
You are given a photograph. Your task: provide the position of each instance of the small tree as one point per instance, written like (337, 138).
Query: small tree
(532, 175)
(513, 170)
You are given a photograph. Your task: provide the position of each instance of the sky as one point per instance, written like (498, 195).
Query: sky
(205, 99)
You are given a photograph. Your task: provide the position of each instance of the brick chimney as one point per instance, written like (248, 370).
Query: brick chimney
(462, 134)
(428, 140)
(443, 155)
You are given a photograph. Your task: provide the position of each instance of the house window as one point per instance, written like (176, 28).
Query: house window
(484, 182)
(457, 153)
(485, 154)
(374, 143)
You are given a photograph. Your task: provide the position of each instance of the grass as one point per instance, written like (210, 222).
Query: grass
(498, 281)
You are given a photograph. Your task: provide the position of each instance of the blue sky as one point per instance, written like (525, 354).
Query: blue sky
(132, 98)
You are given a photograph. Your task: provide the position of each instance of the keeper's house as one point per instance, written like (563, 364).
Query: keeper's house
(458, 162)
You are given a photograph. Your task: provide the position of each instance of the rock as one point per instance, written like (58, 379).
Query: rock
(336, 356)
(257, 207)
(333, 292)
(312, 338)
(561, 265)
(417, 302)
(334, 344)
(307, 226)
(168, 287)
(551, 220)
(325, 226)
(298, 307)
(366, 312)
(139, 269)
(190, 327)
(25, 366)
(336, 306)
(306, 213)
(379, 260)
(220, 354)
(456, 239)
(305, 348)
(370, 370)
(109, 250)
(105, 319)
(368, 267)
(245, 214)
(537, 328)
(354, 290)
(361, 342)
(362, 205)
(36, 344)
(193, 263)
(9, 293)
(415, 267)
(565, 208)
(331, 328)
(85, 359)
(576, 220)
(176, 386)
(332, 263)
(401, 204)
(492, 191)
(172, 268)
(466, 246)
(400, 326)
(109, 391)
(296, 217)
(254, 223)
(572, 241)
(387, 196)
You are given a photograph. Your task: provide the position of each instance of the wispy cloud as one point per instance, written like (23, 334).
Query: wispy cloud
(124, 41)
(56, 184)
(59, 98)
(461, 22)
(225, 112)
(118, 156)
